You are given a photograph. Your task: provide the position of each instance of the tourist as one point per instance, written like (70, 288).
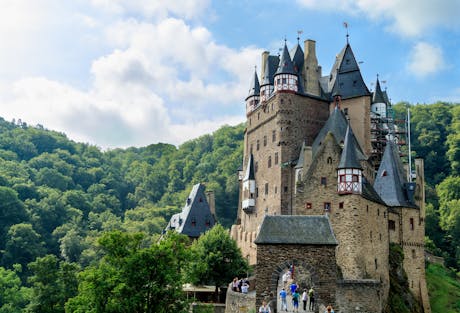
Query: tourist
(264, 308)
(235, 284)
(304, 299)
(295, 301)
(286, 277)
(283, 295)
(244, 287)
(311, 296)
(329, 309)
(293, 287)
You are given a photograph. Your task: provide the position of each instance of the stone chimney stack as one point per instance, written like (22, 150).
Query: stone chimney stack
(211, 198)
(265, 55)
(311, 77)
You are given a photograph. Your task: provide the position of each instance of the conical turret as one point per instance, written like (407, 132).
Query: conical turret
(349, 171)
(379, 104)
(249, 187)
(286, 79)
(253, 98)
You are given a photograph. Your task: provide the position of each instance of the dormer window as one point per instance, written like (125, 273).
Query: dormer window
(384, 173)
(193, 222)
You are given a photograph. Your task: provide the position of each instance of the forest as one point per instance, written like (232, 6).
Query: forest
(72, 214)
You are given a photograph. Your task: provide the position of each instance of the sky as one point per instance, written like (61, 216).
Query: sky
(121, 73)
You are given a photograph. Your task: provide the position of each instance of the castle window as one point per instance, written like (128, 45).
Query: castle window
(273, 135)
(384, 173)
(250, 122)
(329, 160)
(380, 237)
(269, 161)
(370, 235)
(308, 205)
(327, 206)
(200, 200)
(378, 212)
(367, 208)
(257, 192)
(193, 222)
(376, 264)
(276, 189)
(413, 254)
(285, 189)
(257, 145)
(340, 205)
(265, 141)
(256, 166)
(345, 111)
(276, 158)
(411, 222)
(266, 188)
(323, 181)
(391, 225)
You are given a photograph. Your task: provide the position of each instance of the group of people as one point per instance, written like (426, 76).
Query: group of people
(308, 297)
(240, 285)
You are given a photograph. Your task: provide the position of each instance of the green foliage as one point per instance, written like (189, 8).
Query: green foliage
(130, 278)
(400, 298)
(53, 282)
(216, 258)
(443, 288)
(13, 296)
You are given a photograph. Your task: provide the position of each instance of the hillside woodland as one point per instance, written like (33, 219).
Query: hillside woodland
(71, 213)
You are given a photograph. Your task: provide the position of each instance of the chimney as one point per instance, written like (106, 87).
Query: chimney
(311, 77)
(210, 197)
(265, 55)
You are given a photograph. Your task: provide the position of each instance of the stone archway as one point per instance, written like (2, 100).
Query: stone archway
(304, 276)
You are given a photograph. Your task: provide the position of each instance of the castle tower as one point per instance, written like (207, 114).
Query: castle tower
(269, 66)
(253, 98)
(349, 171)
(346, 79)
(249, 187)
(286, 78)
(405, 221)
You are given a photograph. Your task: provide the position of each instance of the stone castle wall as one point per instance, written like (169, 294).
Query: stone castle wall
(360, 296)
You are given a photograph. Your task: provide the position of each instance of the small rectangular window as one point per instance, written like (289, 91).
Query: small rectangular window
(327, 206)
(308, 205)
(256, 166)
(285, 189)
(273, 135)
(269, 161)
(266, 188)
(323, 181)
(391, 225)
(276, 158)
(411, 221)
(265, 141)
(257, 145)
(341, 205)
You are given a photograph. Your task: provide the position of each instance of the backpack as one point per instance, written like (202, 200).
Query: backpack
(295, 297)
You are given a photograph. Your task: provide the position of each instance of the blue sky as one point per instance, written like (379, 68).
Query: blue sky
(119, 73)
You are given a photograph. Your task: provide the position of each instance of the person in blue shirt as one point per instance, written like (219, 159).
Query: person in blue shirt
(283, 295)
(293, 287)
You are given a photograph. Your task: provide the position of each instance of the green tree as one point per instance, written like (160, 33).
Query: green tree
(216, 259)
(134, 279)
(53, 282)
(13, 295)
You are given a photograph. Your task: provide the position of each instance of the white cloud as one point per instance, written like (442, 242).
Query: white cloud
(407, 18)
(425, 59)
(156, 79)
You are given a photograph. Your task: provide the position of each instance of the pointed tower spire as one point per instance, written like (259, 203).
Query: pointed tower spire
(349, 171)
(267, 85)
(286, 79)
(378, 96)
(253, 98)
(391, 183)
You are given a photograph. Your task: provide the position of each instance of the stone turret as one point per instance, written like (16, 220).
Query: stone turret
(349, 171)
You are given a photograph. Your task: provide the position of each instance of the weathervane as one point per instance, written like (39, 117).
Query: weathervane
(299, 32)
(345, 24)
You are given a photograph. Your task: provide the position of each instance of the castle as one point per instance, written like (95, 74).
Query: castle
(322, 184)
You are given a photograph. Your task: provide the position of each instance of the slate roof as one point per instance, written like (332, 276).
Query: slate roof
(336, 124)
(297, 57)
(378, 96)
(348, 159)
(345, 78)
(254, 89)
(249, 173)
(296, 229)
(391, 179)
(301, 156)
(285, 66)
(196, 216)
(369, 193)
(270, 69)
